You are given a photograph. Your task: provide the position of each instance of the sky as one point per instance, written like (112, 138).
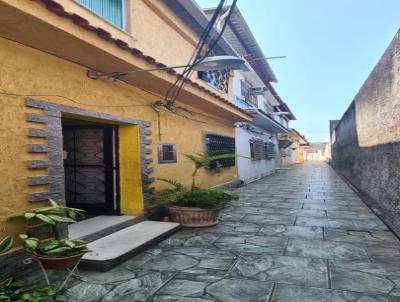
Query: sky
(331, 47)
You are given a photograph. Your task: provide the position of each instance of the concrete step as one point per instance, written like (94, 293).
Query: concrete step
(100, 226)
(109, 251)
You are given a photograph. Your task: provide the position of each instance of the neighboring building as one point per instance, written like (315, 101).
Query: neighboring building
(298, 146)
(316, 151)
(251, 90)
(332, 127)
(291, 147)
(98, 144)
(366, 141)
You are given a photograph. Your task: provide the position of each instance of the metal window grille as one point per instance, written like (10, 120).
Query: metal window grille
(111, 10)
(257, 149)
(246, 93)
(216, 78)
(166, 153)
(217, 145)
(270, 150)
(260, 149)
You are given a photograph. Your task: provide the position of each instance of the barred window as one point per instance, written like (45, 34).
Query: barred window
(270, 150)
(217, 145)
(245, 88)
(260, 149)
(257, 149)
(216, 78)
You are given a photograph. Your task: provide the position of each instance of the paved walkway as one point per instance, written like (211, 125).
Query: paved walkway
(297, 236)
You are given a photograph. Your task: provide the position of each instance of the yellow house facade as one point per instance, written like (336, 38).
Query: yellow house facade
(66, 136)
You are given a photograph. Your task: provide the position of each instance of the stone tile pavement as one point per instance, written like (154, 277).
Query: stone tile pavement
(298, 236)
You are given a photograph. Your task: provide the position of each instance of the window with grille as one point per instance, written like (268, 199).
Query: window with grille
(257, 151)
(216, 78)
(270, 150)
(246, 93)
(217, 145)
(111, 10)
(166, 153)
(260, 149)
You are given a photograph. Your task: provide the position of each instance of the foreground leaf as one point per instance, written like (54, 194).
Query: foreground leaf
(45, 219)
(6, 244)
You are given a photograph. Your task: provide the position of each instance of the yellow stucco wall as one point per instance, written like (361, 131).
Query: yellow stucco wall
(131, 196)
(151, 23)
(27, 71)
(152, 28)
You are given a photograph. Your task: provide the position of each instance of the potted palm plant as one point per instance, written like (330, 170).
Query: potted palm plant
(59, 252)
(196, 207)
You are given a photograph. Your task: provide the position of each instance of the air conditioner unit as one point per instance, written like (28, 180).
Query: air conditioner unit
(258, 90)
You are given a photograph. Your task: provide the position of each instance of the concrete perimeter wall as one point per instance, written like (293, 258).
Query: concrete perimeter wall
(366, 142)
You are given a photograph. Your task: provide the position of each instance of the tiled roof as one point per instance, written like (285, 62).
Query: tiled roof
(58, 9)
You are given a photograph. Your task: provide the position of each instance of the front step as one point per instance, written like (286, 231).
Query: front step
(100, 226)
(109, 251)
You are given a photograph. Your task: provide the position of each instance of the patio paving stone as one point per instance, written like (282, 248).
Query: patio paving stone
(300, 235)
(292, 293)
(325, 249)
(292, 231)
(294, 270)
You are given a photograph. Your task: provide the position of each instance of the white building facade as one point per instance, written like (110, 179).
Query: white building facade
(257, 143)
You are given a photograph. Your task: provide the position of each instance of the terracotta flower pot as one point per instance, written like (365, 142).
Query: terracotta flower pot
(58, 262)
(194, 217)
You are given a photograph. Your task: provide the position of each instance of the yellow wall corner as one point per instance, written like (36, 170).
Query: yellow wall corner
(130, 182)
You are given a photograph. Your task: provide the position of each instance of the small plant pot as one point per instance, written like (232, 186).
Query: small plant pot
(58, 262)
(194, 217)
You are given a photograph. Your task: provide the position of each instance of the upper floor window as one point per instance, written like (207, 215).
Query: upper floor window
(284, 122)
(247, 93)
(111, 10)
(216, 78)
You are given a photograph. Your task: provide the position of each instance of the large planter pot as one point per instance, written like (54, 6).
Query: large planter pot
(194, 217)
(58, 262)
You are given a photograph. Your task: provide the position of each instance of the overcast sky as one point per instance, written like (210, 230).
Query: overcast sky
(331, 47)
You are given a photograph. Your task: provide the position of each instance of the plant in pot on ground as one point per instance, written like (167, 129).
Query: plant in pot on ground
(195, 207)
(59, 252)
(11, 291)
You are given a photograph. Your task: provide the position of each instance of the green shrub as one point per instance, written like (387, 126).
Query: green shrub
(205, 198)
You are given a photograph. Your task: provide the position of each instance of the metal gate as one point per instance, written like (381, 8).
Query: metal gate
(90, 168)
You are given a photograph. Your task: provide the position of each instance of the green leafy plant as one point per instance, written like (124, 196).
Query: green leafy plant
(11, 291)
(198, 198)
(54, 248)
(5, 244)
(53, 215)
(205, 198)
(204, 160)
(195, 197)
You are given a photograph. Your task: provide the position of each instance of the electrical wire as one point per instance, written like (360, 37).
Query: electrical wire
(152, 106)
(231, 9)
(199, 58)
(69, 99)
(175, 89)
